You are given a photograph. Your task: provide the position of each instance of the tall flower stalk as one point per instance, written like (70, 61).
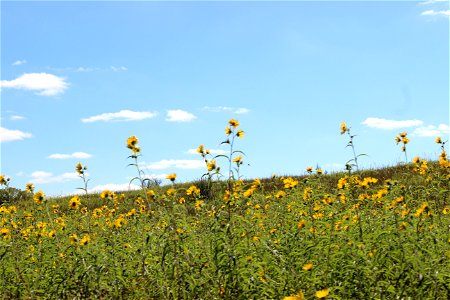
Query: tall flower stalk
(354, 161)
(401, 138)
(81, 170)
(132, 142)
(232, 132)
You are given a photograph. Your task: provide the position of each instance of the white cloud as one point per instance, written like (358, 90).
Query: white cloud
(117, 69)
(390, 124)
(212, 151)
(433, 12)
(84, 69)
(239, 110)
(179, 115)
(16, 118)
(8, 135)
(78, 155)
(175, 163)
(432, 131)
(123, 115)
(19, 62)
(113, 187)
(43, 83)
(432, 2)
(40, 177)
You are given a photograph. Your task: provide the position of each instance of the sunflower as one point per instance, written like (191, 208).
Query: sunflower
(29, 188)
(171, 177)
(74, 202)
(132, 142)
(39, 197)
(233, 123)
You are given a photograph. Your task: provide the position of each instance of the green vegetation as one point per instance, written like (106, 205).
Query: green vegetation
(373, 234)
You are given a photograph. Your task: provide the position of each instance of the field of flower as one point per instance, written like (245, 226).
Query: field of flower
(360, 234)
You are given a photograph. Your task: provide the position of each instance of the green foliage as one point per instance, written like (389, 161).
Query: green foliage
(373, 234)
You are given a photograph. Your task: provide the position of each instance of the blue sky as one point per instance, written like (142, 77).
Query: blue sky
(79, 78)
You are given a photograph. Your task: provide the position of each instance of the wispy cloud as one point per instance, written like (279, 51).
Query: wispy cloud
(16, 118)
(432, 12)
(238, 110)
(428, 2)
(43, 84)
(41, 177)
(77, 155)
(118, 69)
(179, 115)
(390, 124)
(175, 163)
(85, 69)
(121, 116)
(8, 135)
(19, 62)
(212, 151)
(432, 131)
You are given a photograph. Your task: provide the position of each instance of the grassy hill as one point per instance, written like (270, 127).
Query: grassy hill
(371, 234)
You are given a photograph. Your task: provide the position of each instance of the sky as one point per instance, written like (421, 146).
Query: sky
(79, 78)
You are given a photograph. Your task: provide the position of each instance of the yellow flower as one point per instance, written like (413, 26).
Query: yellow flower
(322, 293)
(132, 142)
(107, 194)
(237, 159)
(171, 177)
(343, 128)
(39, 197)
(307, 193)
(74, 202)
(308, 266)
(3, 181)
(193, 190)
(211, 165)
(201, 150)
(29, 188)
(85, 240)
(79, 168)
(5, 233)
(319, 171)
(280, 194)
(301, 224)
(199, 204)
(298, 296)
(52, 234)
(438, 140)
(228, 130)
(403, 134)
(240, 133)
(309, 169)
(233, 123)
(73, 239)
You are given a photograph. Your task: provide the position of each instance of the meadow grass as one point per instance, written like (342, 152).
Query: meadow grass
(371, 234)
